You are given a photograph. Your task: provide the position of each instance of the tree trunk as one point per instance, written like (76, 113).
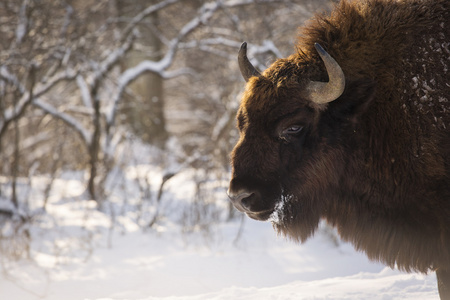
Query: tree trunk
(94, 149)
(144, 106)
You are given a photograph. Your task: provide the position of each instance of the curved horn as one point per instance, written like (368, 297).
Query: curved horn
(324, 92)
(246, 67)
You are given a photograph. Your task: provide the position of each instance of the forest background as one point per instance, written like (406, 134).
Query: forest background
(90, 88)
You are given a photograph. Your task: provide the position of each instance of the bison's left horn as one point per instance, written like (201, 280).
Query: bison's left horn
(324, 92)
(246, 67)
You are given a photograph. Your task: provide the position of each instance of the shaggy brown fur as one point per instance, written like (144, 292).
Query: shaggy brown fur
(375, 163)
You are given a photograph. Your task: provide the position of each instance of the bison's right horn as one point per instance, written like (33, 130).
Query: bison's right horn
(324, 92)
(246, 67)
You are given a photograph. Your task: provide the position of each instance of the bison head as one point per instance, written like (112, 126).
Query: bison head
(296, 122)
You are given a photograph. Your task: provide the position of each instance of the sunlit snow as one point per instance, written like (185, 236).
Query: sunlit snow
(78, 256)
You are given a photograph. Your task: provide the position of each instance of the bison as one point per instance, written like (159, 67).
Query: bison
(354, 128)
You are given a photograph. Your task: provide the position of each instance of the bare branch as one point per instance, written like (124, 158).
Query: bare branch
(179, 72)
(69, 120)
(145, 13)
(110, 61)
(11, 78)
(28, 95)
(205, 13)
(22, 26)
(64, 75)
(84, 90)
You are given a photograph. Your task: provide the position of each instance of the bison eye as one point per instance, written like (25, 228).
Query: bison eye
(292, 130)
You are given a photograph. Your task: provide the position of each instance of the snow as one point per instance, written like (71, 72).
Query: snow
(84, 91)
(277, 216)
(21, 29)
(76, 255)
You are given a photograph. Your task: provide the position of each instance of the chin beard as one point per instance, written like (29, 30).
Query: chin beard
(292, 220)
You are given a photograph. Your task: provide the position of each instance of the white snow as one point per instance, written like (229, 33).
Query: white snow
(84, 91)
(76, 256)
(278, 214)
(21, 29)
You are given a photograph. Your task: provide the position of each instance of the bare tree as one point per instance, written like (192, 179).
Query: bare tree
(70, 73)
(144, 100)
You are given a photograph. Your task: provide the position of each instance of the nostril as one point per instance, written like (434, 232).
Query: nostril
(245, 201)
(239, 199)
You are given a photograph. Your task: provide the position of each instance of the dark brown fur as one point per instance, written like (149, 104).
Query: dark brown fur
(375, 163)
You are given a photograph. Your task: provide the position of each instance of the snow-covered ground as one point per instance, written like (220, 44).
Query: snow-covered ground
(163, 263)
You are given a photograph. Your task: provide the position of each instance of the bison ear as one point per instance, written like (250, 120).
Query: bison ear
(355, 100)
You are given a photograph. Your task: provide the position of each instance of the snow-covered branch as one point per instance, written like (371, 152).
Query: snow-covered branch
(22, 26)
(84, 91)
(11, 79)
(178, 72)
(110, 61)
(216, 41)
(69, 120)
(234, 3)
(160, 67)
(27, 96)
(210, 45)
(266, 47)
(145, 13)
(67, 74)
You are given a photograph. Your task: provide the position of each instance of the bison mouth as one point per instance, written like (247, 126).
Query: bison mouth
(261, 215)
(260, 201)
(253, 205)
(276, 215)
